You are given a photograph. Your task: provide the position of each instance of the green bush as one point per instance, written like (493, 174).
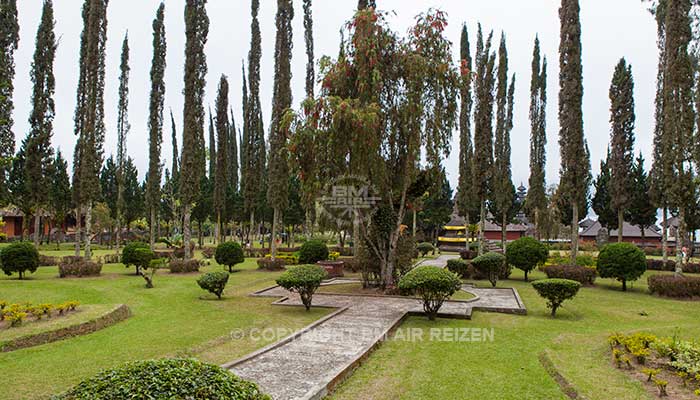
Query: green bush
(459, 267)
(433, 284)
(526, 253)
(582, 275)
(165, 379)
(269, 264)
(177, 266)
(490, 265)
(79, 268)
(556, 291)
(425, 248)
(129, 256)
(229, 254)
(19, 257)
(313, 251)
(214, 282)
(303, 279)
(622, 261)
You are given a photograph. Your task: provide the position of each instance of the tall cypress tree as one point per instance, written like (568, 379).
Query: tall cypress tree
(39, 152)
(191, 170)
(212, 147)
(232, 155)
(622, 120)
(362, 4)
(175, 167)
(222, 132)
(89, 116)
(467, 202)
(244, 139)
(155, 120)
(502, 202)
(575, 164)
(483, 127)
(679, 112)
(603, 198)
(642, 210)
(278, 181)
(536, 196)
(59, 193)
(309, 40)
(123, 128)
(9, 40)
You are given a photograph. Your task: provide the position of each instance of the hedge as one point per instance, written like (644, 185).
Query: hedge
(165, 379)
(674, 286)
(184, 266)
(312, 252)
(424, 248)
(269, 264)
(304, 280)
(556, 291)
(670, 265)
(582, 275)
(79, 268)
(433, 284)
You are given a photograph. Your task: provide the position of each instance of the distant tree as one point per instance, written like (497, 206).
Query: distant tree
(9, 41)
(134, 201)
(212, 147)
(642, 210)
(39, 152)
(602, 200)
(293, 215)
(108, 185)
(232, 156)
(19, 194)
(362, 4)
(59, 194)
(483, 127)
(191, 171)
(575, 168)
(622, 119)
(437, 207)
(175, 168)
(123, 127)
(221, 180)
(155, 121)
(309, 41)
(536, 201)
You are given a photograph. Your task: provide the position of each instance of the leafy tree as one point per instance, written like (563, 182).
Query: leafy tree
(175, 169)
(622, 261)
(108, 185)
(232, 156)
(214, 282)
(278, 178)
(433, 284)
(39, 152)
(19, 194)
(490, 265)
(123, 127)
(622, 119)
(155, 121)
(602, 200)
(556, 291)
(575, 168)
(20, 257)
(437, 206)
(303, 279)
(536, 202)
(642, 210)
(59, 193)
(134, 201)
(222, 132)
(229, 254)
(526, 253)
(293, 215)
(191, 168)
(9, 41)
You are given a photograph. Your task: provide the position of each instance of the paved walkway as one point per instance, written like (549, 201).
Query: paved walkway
(311, 363)
(440, 261)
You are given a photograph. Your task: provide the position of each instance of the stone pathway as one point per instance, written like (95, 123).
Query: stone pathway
(441, 261)
(309, 364)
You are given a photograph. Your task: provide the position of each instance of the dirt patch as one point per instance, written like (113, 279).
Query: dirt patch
(567, 388)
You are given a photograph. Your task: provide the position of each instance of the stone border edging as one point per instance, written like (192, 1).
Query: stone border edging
(114, 316)
(566, 387)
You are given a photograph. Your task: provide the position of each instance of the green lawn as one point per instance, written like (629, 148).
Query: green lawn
(508, 367)
(168, 320)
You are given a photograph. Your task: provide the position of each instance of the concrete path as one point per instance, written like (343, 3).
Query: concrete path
(309, 364)
(440, 261)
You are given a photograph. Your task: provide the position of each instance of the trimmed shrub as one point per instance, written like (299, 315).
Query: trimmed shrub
(129, 256)
(424, 248)
(47, 261)
(582, 275)
(112, 258)
(622, 261)
(468, 254)
(303, 279)
(556, 291)
(214, 282)
(526, 253)
(269, 264)
(674, 286)
(229, 254)
(184, 266)
(208, 252)
(20, 257)
(491, 265)
(312, 252)
(79, 268)
(433, 284)
(459, 267)
(670, 265)
(180, 251)
(165, 379)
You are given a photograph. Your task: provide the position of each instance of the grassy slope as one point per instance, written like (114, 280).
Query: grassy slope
(508, 368)
(168, 320)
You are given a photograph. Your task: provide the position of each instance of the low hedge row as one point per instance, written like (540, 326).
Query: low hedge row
(269, 264)
(674, 286)
(184, 266)
(79, 268)
(670, 265)
(582, 275)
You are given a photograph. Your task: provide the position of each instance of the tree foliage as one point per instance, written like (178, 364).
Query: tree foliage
(536, 201)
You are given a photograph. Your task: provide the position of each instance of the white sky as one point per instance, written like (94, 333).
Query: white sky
(611, 29)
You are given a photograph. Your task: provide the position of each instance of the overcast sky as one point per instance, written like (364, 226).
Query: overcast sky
(611, 30)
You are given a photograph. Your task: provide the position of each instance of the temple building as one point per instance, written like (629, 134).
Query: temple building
(454, 235)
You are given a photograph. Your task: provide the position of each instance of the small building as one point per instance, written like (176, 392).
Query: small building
(454, 235)
(630, 234)
(13, 220)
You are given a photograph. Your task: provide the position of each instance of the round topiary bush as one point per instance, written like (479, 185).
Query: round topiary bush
(433, 284)
(303, 279)
(214, 282)
(622, 261)
(556, 291)
(313, 251)
(526, 253)
(129, 256)
(490, 265)
(459, 267)
(425, 248)
(165, 379)
(19, 257)
(229, 254)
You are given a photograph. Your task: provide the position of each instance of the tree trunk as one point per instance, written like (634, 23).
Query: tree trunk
(641, 229)
(153, 228)
(414, 222)
(620, 225)
(218, 233)
(119, 233)
(88, 231)
(664, 235)
(624, 285)
(273, 242)
(186, 231)
(504, 232)
(356, 235)
(482, 227)
(574, 233)
(250, 231)
(680, 237)
(199, 234)
(537, 224)
(37, 228)
(78, 223)
(307, 226)
(466, 232)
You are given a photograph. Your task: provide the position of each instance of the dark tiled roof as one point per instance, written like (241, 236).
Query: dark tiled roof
(627, 231)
